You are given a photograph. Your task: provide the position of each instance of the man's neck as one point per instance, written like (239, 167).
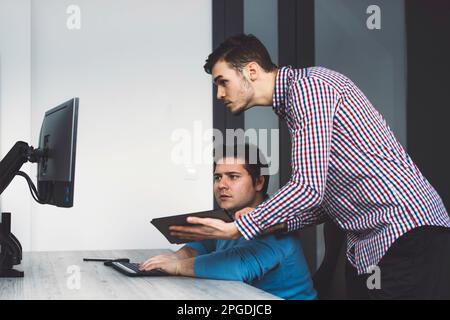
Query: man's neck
(267, 89)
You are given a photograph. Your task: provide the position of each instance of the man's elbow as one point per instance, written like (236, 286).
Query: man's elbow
(243, 273)
(311, 198)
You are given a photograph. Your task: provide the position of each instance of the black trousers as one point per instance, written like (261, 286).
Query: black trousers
(416, 266)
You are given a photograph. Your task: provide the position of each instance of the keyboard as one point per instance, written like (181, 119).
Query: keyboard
(131, 269)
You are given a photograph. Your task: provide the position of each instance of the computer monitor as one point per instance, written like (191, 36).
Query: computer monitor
(56, 168)
(55, 157)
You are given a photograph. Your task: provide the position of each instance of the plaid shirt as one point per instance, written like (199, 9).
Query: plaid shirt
(346, 165)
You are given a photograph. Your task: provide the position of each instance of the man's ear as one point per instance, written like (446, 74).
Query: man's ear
(252, 69)
(259, 185)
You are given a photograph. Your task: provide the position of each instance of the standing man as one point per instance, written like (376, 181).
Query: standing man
(346, 166)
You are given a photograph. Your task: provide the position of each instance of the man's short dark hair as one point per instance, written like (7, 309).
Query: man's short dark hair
(238, 51)
(254, 161)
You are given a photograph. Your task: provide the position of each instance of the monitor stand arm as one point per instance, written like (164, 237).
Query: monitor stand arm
(10, 247)
(19, 154)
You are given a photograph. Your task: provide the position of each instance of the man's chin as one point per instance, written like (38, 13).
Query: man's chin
(238, 111)
(232, 209)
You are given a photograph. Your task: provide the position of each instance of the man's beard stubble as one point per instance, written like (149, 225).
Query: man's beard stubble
(246, 91)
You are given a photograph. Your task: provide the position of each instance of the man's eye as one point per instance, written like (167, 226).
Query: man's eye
(234, 177)
(216, 178)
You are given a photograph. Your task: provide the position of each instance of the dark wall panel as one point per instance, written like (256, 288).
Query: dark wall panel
(228, 20)
(428, 102)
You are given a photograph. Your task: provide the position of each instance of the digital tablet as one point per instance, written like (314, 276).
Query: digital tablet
(163, 224)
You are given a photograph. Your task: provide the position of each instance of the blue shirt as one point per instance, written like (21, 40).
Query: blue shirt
(273, 263)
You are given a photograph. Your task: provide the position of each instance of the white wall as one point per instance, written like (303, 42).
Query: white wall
(15, 105)
(137, 68)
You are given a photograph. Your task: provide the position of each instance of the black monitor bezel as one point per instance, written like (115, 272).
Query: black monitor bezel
(55, 192)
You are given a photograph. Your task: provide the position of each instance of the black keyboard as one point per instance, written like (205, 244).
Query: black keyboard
(131, 269)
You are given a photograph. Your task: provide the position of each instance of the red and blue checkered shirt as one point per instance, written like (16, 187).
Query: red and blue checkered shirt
(346, 165)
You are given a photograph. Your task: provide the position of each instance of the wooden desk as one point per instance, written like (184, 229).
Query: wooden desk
(53, 275)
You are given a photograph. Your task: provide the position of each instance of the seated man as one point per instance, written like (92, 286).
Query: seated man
(274, 263)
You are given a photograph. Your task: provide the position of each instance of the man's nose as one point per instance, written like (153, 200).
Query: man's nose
(220, 93)
(223, 184)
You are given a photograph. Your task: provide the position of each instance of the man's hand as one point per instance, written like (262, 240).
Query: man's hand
(170, 264)
(239, 214)
(207, 228)
(159, 259)
(165, 263)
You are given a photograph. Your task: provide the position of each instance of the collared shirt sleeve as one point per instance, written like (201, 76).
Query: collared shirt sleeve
(313, 217)
(313, 104)
(246, 262)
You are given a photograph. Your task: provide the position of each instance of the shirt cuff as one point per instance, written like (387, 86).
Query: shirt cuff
(293, 224)
(248, 227)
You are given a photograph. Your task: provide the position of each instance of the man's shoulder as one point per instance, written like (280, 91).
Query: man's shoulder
(287, 242)
(327, 76)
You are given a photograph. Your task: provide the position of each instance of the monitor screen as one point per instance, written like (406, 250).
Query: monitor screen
(56, 169)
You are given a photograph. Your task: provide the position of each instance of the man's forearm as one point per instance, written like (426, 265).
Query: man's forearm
(185, 267)
(278, 228)
(186, 252)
